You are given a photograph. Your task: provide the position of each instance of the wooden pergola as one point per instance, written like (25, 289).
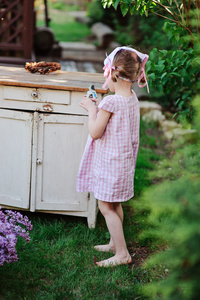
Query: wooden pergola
(17, 24)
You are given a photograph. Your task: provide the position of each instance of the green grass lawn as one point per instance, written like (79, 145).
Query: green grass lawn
(63, 24)
(68, 30)
(58, 263)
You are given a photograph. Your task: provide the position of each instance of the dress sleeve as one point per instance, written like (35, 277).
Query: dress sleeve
(108, 104)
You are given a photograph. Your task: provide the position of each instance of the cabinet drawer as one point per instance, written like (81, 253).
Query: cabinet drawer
(38, 99)
(36, 95)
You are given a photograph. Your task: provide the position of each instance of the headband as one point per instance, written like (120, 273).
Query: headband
(108, 66)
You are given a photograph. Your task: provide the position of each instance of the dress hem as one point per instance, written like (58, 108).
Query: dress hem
(105, 200)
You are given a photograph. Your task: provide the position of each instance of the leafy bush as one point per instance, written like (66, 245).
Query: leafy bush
(150, 33)
(174, 214)
(9, 231)
(175, 74)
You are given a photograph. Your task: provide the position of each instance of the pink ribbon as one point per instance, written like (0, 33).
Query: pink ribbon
(107, 72)
(143, 76)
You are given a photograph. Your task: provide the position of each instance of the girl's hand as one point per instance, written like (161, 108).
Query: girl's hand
(96, 101)
(88, 104)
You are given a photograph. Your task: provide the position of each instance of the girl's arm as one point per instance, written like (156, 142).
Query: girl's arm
(96, 123)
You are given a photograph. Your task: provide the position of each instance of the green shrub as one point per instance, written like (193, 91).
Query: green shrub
(174, 214)
(175, 74)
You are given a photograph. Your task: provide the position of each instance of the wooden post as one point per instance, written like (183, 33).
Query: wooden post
(28, 26)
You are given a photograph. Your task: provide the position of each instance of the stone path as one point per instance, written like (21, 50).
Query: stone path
(79, 66)
(81, 57)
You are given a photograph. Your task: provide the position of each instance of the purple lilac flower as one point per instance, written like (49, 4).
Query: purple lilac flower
(10, 229)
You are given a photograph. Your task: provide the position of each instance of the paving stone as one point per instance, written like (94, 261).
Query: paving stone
(146, 106)
(169, 125)
(81, 51)
(154, 115)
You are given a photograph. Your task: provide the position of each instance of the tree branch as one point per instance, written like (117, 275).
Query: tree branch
(164, 7)
(187, 14)
(198, 13)
(181, 15)
(175, 14)
(175, 21)
(189, 4)
(184, 5)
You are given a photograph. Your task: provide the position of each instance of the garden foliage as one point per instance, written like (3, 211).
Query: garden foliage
(174, 214)
(175, 74)
(10, 230)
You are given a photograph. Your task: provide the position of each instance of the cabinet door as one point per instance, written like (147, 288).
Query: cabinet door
(15, 158)
(61, 141)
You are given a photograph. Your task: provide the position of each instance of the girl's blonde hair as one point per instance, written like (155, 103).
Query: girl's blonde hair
(127, 65)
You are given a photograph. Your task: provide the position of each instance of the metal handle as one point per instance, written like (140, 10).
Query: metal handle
(48, 108)
(34, 94)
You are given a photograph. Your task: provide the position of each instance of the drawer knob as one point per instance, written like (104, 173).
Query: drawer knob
(34, 94)
(38, 161)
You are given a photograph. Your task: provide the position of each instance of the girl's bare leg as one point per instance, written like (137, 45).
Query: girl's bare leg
(110, 247)
(115, 228)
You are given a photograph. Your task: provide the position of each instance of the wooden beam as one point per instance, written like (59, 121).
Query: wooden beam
(16, 33)
(10, 46)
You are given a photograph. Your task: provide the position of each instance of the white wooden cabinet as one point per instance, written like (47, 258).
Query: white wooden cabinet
(43, 132)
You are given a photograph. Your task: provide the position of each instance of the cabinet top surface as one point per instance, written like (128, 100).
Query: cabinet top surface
(59, 80)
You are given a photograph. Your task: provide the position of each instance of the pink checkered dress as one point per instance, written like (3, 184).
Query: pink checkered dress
(108, 164)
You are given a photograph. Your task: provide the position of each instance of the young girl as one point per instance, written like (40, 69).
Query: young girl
(108, 163)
